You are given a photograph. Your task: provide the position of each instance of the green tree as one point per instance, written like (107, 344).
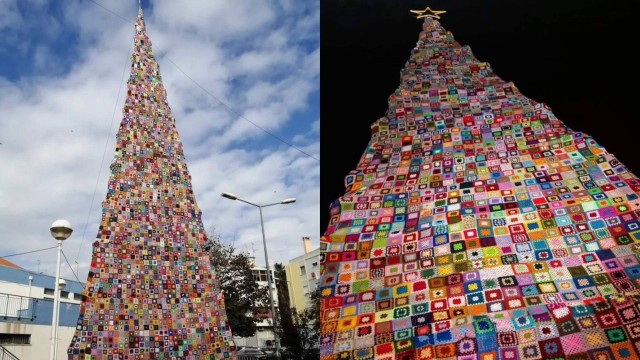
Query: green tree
(302, 336)
(287, 331)
(314, 310)
(307, 324)
(242, 294)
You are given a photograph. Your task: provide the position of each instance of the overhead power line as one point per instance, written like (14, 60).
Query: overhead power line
(70, 267)
(28, 252)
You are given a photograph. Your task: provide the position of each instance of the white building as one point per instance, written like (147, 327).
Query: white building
(264, 329)
(26, 309)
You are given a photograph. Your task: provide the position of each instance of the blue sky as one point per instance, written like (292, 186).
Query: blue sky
(242, 80)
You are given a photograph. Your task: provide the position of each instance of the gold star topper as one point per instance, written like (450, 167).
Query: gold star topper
(427, 12)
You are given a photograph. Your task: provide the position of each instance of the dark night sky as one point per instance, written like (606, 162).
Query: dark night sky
(575, 56)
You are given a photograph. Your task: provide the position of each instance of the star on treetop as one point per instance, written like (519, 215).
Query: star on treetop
(427, 12)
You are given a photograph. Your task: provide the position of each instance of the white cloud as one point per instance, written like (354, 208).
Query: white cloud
(57, 128)
(216, 20)
(9, 14)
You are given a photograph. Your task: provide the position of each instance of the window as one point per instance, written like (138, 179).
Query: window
(314, 264)
(260, 275)
(15, 339)
(303, 270)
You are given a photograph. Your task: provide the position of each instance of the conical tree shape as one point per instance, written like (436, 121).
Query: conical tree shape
(151, 292)
(478, 226)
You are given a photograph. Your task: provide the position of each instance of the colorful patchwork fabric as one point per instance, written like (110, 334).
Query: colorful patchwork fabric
(478, 226)
(151, 292)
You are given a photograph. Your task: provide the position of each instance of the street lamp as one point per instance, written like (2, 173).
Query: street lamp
(60, 230)
(266, 259)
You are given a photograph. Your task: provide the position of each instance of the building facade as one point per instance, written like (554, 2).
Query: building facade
(303, 274)
(26, 310)
(264, 336)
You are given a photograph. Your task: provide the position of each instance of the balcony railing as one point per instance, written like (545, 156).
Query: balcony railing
(6, 354)
(20, 307)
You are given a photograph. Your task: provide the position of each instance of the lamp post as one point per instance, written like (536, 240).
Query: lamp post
(60, 230)
(61, 284)
(30, 282)
(266, 259)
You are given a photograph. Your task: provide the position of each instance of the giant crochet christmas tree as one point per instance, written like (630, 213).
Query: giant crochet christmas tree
(151, 292)
(478, 226)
